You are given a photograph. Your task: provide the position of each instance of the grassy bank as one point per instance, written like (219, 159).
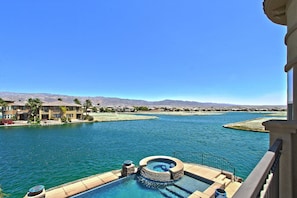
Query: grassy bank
(181, 113)
(252, 125)
(106, 117)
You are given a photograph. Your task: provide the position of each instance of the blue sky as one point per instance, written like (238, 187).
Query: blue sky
(206, 51)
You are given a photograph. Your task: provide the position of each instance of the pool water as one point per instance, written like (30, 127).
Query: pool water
(129, 187)
(160, 165)
(124, 188)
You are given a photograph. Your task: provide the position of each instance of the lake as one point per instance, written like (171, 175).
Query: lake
(54, 155)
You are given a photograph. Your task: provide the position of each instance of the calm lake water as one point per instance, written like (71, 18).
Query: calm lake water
(55, 155)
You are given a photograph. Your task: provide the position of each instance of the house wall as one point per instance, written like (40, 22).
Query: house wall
(20, 112)
(291, 41)
(284, 12)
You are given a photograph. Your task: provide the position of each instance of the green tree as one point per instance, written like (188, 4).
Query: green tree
(60, 99)
(95, 109)
(63, 110)
(76, 101)
(34, 106)
(2, 103)
(87, 105)
(141, 108)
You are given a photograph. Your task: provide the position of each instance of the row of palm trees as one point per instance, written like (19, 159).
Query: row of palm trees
(34, 105)
(87, 104)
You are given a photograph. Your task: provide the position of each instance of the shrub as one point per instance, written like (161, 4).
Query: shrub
(63, 119)
(88, 117)
(95, 109)
(141, 108)
(6, 121)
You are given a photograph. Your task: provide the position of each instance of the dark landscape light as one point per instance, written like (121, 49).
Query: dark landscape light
(128, 162)
(36, 190)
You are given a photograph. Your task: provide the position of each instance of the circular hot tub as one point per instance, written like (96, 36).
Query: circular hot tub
(161, 168)
(160, 164)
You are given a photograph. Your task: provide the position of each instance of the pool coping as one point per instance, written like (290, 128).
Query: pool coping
(218, 177)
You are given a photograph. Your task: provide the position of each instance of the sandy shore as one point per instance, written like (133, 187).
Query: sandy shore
(181, 113)
(98, 117)
(42, 123)
(254, 125)
(106, 117)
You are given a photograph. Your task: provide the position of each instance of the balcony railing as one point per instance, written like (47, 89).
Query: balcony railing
(264, 179)
(206, 159)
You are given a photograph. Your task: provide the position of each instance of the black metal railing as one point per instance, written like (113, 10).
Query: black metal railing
(264, 179)
(206, 159)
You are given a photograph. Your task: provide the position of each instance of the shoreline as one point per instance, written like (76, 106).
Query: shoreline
(98, 117)
(110, 117)
(181, 113)
(254, 125)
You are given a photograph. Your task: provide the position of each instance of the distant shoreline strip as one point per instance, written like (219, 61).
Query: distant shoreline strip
(254, 125)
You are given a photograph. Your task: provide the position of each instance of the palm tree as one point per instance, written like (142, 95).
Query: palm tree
(34, 106)
(2, 103)
(87, 104)
(63, 110)
(76, 101)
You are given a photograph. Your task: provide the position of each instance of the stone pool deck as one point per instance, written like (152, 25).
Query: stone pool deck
(221, 180)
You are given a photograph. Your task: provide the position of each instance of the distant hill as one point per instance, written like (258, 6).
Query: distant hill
(107, 101)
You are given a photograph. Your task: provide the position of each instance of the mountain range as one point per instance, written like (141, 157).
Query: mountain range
(111, 101)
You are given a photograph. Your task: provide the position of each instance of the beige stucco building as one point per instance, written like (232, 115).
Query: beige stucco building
(50, 110)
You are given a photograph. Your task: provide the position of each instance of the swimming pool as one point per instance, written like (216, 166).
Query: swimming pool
(125, 188)
(129, 187)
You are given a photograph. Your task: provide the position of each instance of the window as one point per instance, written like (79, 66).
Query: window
(57, 115)
(290, 93)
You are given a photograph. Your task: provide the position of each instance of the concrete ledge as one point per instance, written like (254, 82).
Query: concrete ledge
(92, 182)
(198, 194)
(108, 177)
(205, 172)
(76, 187)
(59, 192)
(212, 189)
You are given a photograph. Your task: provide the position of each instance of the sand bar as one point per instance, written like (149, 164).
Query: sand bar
(254, 125)
(107, 117)
(181, 113)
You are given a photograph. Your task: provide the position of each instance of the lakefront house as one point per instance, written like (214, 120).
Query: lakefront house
(276, 174)
(17, 110)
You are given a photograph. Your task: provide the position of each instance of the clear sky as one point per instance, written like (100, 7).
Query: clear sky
(205, 51)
